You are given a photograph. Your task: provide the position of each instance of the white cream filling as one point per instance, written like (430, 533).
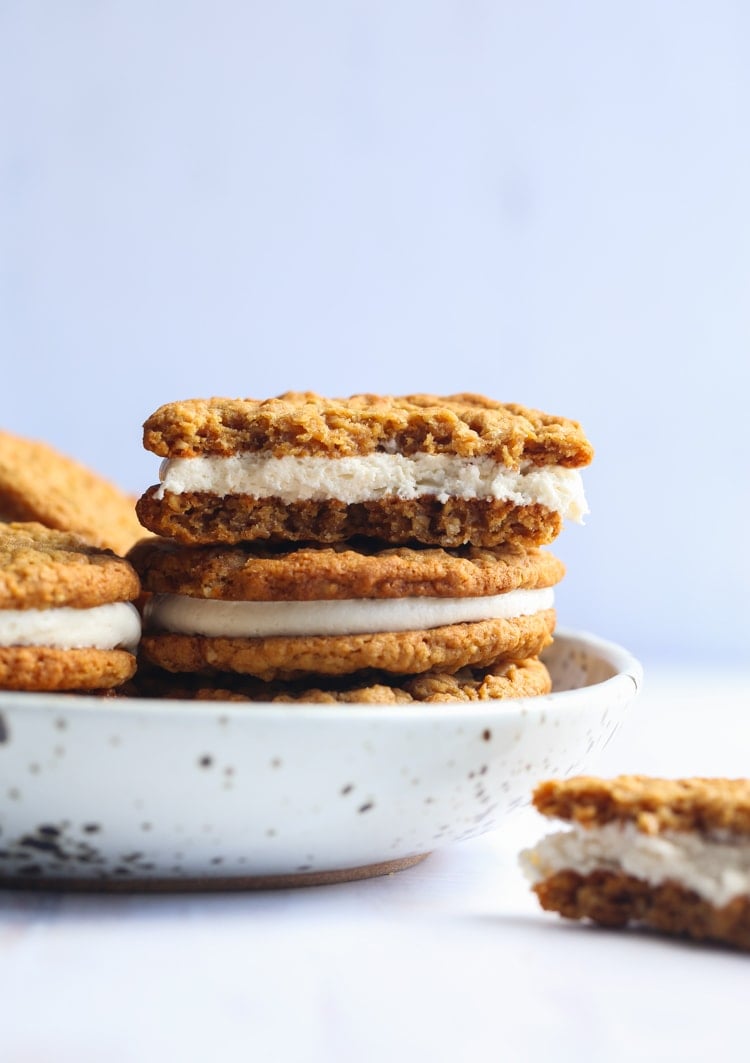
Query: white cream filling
(716, 867)
(218, 619)
(116, 625)
(376, 476)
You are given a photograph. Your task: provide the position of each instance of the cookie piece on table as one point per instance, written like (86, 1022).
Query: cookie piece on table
(420, 468)
(67, 621)
(37, 483)
(670, 854)
(509, 679)
(282, 613)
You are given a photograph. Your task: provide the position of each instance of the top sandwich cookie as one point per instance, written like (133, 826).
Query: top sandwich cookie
(442, 471)
(67, 621)
(37, 483)
(672, 854)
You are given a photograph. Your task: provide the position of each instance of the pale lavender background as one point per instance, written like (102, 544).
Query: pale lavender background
(547, 202)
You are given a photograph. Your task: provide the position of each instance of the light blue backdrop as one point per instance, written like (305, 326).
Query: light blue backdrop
(546, 202)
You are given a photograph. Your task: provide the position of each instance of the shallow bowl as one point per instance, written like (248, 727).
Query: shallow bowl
(129, 793)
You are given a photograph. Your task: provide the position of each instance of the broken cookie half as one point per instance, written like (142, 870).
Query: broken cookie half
(670, 854)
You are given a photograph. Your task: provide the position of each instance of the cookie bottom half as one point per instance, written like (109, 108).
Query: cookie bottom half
(654, 804)
(615, 899)
(196, 518)
(507, 679)
(445, 649)
(44, 668)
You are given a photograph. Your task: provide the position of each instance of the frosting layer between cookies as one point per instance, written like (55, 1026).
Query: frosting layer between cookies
(115, 625)
(715, 866)
(226, 619)
(374, 477)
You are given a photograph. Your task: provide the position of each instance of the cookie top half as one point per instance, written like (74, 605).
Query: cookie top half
(653, 805)
(41, 568)
(304, 424)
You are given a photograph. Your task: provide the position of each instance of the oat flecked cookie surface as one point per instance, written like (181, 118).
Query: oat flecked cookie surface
(41, 568)
(447, 648)
(37, 483)
(357, 569)
(305, 424)
(66, 616)
(653, 805)
(420, 468)
(669, 854)
(201, 517)
(509, 679)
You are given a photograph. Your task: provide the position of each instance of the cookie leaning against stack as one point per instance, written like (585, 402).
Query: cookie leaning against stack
(67, 621)
(38, 483)
(417, 575)
(670, 854)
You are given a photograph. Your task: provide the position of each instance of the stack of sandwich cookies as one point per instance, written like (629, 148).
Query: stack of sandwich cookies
(67, 619)
(670, 854)
(333, 549)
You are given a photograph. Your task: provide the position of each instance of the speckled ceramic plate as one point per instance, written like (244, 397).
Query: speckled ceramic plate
(120, 793)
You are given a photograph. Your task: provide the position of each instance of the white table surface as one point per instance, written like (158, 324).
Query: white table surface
(450, 960)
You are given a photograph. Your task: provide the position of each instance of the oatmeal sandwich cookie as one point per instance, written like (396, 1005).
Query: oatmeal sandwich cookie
(670, 854)
(67, 621)
(37, 483)
(280, 612)
(419, 468)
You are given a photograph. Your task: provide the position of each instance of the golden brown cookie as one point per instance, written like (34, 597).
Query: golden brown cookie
(303, 424)
(357, 569)
(442, 471)
(67, 621)
(47, 668)
(615, 900)
(37, 483)
(502, 680)
(445, 649)
(670, 854)
(200, 517)
(41, 568)
(654, 805)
